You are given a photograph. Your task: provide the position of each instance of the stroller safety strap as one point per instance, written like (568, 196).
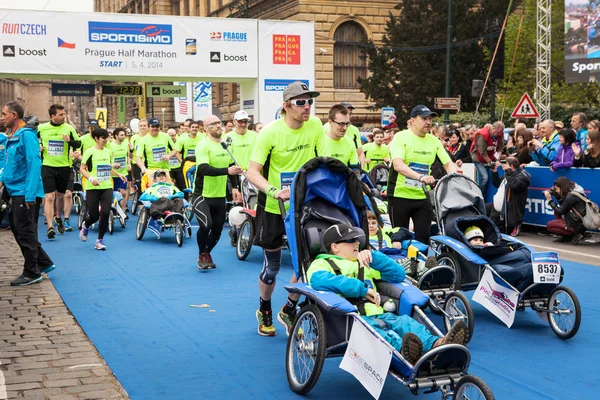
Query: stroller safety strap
(359, 303)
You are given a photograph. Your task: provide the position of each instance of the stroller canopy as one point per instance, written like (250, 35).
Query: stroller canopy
(457, 192)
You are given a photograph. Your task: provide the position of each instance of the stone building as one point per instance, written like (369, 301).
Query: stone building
(340, 29)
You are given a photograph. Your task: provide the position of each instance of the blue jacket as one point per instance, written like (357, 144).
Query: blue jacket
(581, 136)
(21, 169)
(545, 155)
(3, 140)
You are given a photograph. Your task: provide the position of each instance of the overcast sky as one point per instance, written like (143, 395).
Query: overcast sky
(49, 5)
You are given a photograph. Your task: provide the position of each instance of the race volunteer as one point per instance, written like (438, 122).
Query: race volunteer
(20, 177)
(97, 167)
(176, 169)
(376, 152)
(412, 152)
(57, 139)
(280, 150)
(122, 152)
(242, 141)
(155, 149)
(352, 132)
(335, 143)
(213, 165)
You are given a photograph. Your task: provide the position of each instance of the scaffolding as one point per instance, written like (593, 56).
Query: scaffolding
(543, 51)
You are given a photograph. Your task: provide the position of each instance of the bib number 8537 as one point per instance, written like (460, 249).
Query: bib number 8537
(547, 268)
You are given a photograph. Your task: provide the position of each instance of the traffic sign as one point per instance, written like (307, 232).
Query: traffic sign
(447, 103)
(166, 91)
(386, 113)
(525, 108)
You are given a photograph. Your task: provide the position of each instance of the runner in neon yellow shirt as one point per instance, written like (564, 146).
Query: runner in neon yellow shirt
(186, 146)
(335, 143)
(412, 152)
(175, 162)
(376, 152)
(155, 149)
(280, 150)
(213, 165)
(351, 132)
(122, 151)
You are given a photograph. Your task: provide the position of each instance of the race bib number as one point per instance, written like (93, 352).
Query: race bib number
(286, 179)
(173, 162)
(546, 267)
(56, 147)
(158, 153)
(191, 153)
(422, 169)
(122, 161)
(103, 172)
(164, 191)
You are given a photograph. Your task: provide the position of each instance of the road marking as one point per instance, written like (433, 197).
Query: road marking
(3, 394)
(85, 365)
(565, 251)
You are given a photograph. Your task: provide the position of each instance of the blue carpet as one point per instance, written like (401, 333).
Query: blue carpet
(133, 301)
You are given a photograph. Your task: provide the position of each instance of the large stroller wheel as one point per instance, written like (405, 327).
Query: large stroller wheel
(142, 222)
(244, 240)
(134, 202)
(473, 388)
(306, 349)
(458, 307)
(81, 215)
(565, 312)
(77, 202)
(111, 222)
(450, 260)
(179, 233)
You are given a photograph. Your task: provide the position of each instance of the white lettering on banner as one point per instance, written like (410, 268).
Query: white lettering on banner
(498, 299)
(367, 358)
(539, 206)
(580, 67)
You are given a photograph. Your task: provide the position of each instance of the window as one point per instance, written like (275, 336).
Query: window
(348, 65)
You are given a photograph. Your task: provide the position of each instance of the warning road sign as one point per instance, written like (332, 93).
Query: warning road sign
(525, 108)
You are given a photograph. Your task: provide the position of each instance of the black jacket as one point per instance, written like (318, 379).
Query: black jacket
(515, 198)
(587, 160)
(569, 207)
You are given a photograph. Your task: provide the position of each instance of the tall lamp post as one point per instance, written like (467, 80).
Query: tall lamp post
(448, 51)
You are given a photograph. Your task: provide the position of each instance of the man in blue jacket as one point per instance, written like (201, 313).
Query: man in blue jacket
(544, 152)
(20, 176)
(339, 271)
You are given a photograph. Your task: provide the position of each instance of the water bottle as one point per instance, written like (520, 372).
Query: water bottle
(389, 306)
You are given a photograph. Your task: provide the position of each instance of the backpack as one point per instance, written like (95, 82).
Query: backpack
(591, 219)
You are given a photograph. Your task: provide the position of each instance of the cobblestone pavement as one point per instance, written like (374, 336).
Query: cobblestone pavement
(44, 354)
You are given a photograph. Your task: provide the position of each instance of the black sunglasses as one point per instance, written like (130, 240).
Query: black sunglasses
(354, 240)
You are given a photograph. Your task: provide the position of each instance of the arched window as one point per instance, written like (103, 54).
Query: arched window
(348, 66)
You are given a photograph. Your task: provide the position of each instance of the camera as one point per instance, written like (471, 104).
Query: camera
(553, 193)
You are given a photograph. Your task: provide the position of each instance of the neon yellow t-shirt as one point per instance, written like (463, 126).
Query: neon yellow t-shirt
(241, 146)
(372, 151)
(121, 156)
(211, 153)
(56, 149)
(187, 146)
(286, 151)
(152, 149)
(100, 165)
(418, 153)
(342, 149)
(351, 132)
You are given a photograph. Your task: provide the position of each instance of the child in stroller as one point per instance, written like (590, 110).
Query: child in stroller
(475, 236)
(164, 196)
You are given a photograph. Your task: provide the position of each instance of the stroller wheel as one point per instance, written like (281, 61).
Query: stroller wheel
(179, 233)
(306, 348)
(111, 222)
(244, 239)
(450, 260)
(142, 223)
(457, 308)
(565, 312)
(81, 215)
(472, 387)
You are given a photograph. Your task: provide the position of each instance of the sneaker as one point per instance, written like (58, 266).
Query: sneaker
(233, 237)
(51, 233)
(576, 239)
(83, 233)
(100, 245)
(203, 262)
(412, 347)
(457, 334)
(516, 230)
(25, 280)
(59, 225)
(67, 224)
(563, 239)
(48, 269)
(209, 261)
(265, 323)
(287, 320)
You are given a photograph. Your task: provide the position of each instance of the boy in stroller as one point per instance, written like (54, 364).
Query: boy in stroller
(164, 196)
(353, 275)
(474, 235)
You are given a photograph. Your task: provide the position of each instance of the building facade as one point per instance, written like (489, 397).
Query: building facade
(341, 31)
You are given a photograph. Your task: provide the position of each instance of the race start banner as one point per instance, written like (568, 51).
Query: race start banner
(497, 297)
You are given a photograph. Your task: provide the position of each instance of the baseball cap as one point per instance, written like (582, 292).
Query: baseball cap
(421, 111)
(298, 88)
(473, 232)
(347, 105)
(159, 172)
(93, 122)
(241, 115)
(339, 233)
(154, 122)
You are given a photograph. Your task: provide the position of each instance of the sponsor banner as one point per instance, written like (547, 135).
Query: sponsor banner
(122, 105)
(537, 209)
(287, 55)
(73, 89)
(183, 105)
(546, 267)
(166, 91)
(202, 100)
(499, 299)
(248, 105)
(142, 47)
(582, 42)
(367, 358)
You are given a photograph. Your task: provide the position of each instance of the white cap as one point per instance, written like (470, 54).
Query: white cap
(473, 232)
(240, 115)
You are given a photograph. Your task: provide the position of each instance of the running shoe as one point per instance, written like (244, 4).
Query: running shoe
(233, 237)
(286, 320)
(59, 225)
(265, 323)
(203, 262)
(48, 269)
(51, 233)
(412, 347)
(100, 245)
(209, 260)
(83, 233)
(67, 224)
(25, 280)
(516, 230)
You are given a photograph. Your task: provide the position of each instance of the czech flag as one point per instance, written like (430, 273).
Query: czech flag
(65, 45)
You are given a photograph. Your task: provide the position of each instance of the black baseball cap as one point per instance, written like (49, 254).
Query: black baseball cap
(154, 122)
(421, 111)
(347, 105)
(93, 122)
(159, 172)
(339, 233)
